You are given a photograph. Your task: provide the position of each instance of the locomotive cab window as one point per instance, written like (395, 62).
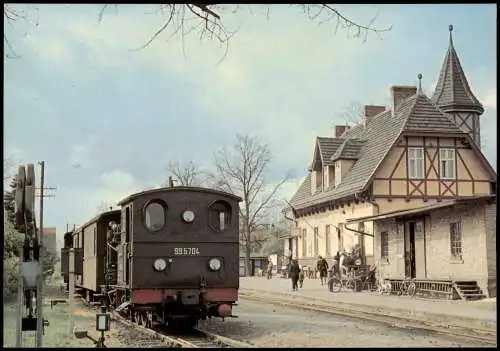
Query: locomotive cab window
(219, 216)
(154, 216)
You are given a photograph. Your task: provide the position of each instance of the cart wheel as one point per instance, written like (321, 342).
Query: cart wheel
(350, 285)
(336, 285)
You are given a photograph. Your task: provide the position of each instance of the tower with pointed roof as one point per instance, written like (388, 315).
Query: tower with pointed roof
(454, 96)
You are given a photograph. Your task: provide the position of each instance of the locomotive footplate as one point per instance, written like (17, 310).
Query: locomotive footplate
(189, 297)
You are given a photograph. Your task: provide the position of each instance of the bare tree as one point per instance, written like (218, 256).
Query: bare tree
(188, 174)
(207, 21)
(242, 171)
(352, 114)
(12, 14)
(9, 163)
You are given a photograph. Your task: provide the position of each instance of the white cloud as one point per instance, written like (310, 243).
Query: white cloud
(489, 101)
(81, 154)
(49, 49)
(113, 187)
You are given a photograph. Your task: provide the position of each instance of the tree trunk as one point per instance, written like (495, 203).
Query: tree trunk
(248, 262)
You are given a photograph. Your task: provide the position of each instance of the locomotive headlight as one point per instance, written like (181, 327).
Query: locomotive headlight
(188, 216)
(160, 264)
(214, 264)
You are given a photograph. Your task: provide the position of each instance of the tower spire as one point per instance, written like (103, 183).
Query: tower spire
(419, 87)
(452, 88)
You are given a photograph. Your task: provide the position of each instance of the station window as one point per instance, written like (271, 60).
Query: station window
(456, 240)
(384, 245)
(219, 216)
(154, 216)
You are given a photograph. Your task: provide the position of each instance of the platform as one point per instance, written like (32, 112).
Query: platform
(482, 313)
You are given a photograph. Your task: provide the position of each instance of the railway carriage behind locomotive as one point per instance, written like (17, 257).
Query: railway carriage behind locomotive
(174, 256)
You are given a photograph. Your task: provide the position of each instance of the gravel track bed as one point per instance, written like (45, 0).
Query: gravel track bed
(57, 333)
(274, 326)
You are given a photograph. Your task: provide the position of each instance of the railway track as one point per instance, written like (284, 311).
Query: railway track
(485, 337)
(161, 337)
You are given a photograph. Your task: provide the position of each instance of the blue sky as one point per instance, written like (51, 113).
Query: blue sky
(80, 95)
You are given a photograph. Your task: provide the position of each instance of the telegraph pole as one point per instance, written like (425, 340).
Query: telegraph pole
(39, 295)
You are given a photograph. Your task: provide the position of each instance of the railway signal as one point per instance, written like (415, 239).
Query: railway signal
(31, 279)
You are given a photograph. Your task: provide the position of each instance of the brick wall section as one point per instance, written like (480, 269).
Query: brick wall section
(339, 130)
(490, 217)
(478, 224)
(400, 93)
(394, 267)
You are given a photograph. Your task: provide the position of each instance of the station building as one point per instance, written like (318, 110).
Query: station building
(409, 185)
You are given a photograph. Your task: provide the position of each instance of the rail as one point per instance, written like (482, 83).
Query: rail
(483, 336)
(193, 338)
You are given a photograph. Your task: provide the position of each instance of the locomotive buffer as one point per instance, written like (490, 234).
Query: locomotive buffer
(30, 288)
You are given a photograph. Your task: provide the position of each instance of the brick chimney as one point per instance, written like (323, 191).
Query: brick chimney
(339, 130)
(400, 93)
(372, 110)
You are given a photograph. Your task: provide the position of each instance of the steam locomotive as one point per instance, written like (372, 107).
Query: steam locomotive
(168, 255)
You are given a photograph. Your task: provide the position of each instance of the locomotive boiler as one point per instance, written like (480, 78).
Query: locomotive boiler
(168, 255)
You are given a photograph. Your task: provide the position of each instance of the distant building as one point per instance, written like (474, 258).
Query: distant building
(49, 239)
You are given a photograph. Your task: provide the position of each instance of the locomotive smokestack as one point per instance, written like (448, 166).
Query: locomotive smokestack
(170, 182)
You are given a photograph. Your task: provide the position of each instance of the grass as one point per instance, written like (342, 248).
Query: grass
(57, 334)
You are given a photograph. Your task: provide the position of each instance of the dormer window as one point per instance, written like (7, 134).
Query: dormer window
(319, 180)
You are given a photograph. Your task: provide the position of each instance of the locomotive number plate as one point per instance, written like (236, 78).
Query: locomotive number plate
(186, 251)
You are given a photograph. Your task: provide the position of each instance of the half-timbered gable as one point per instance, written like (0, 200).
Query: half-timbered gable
(432, 158)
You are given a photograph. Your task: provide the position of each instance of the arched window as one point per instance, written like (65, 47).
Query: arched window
(154, 216)
(219, 216)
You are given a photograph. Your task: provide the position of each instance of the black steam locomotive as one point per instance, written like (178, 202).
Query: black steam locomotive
(168, 255)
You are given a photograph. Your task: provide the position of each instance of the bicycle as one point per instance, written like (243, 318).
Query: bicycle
(334, 284)
(384, 286)
(408, 287)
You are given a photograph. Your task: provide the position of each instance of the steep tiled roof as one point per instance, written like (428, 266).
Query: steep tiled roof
(327, 147)
(415, 114)
(349, 150)
(452, 88)
(424, 116)
(303, 192)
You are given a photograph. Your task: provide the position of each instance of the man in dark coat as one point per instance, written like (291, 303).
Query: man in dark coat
(322, 267)
(294, 274)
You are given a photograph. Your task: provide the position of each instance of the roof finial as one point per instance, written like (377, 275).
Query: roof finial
(419, 76)
(450, 28)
